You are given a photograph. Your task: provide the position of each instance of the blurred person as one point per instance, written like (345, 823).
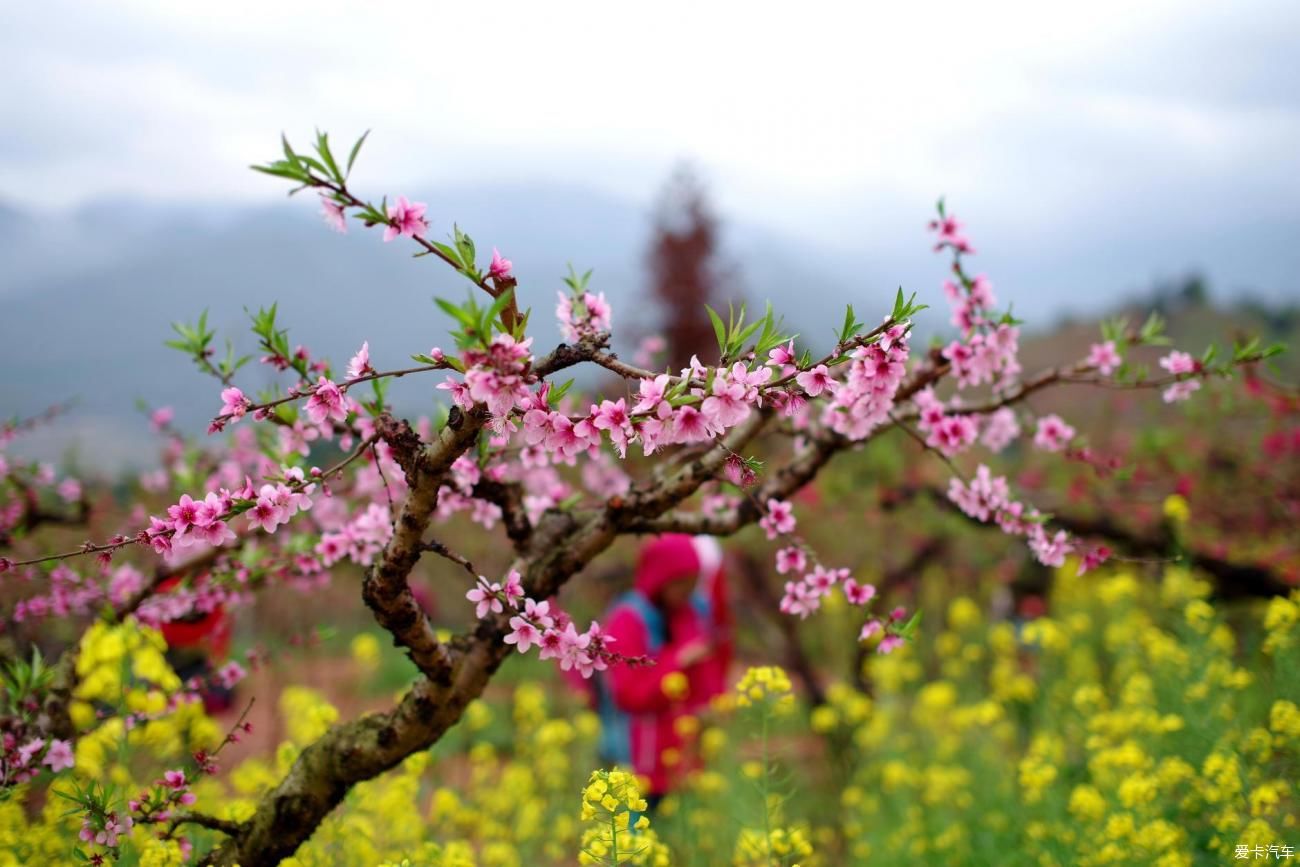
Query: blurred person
(194, 643)
(677, 617)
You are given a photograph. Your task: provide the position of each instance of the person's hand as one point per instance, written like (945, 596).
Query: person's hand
(693, 652)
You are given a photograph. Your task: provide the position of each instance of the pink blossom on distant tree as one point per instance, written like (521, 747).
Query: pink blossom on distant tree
(1104, 357)
(1178, 362)
(1053, 433)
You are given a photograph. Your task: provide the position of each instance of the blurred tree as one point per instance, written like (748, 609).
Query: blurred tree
(685, 268)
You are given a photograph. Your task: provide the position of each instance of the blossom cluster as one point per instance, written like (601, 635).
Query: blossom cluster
(582, 314)
(534, 624)
(23, 762)
(988, 498)
(804, 596)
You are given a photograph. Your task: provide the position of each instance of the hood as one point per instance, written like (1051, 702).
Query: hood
(664, 559)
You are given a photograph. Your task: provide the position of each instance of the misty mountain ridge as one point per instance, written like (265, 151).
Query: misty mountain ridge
(89, 296)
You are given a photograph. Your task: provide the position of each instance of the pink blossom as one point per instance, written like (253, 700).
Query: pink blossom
(799, 599)
(1000, 430)
(1053, 434)
(651, 394)
(1104, 357)
(950, 235)
(233, 403)
(514, 588)
(174, 779)
(953, 434)
(584, 315)
(405, 219)
(889, 644)
(523, 634)
(983, 497)
(870, 628)
(459, 392)
(572, 647)
(230, 674)
(858, 594)
(360, 363)
(738, 471)
(1178, 362)
(612, 416)
(648, 348)
(779, 518)
(689, 425)
(114, 828)
(1093, 558)
(1050, 550)
(821, 580)
(334, 215)
(161, 417)
(784, 358)
(184, 514)
(538, 613)
(70, 490)
(727, 405)
(1180, 390)
(817, 380)
(500, 268)
(264, 514)
(551, 645)
(981, 291)
(29, 750)
(59, 756)
(791, 559)
(326, 403)
(486, 597)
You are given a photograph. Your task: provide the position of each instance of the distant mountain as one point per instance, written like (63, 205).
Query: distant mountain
(88, 298)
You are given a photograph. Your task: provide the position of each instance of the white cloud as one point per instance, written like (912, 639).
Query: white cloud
(790, 108)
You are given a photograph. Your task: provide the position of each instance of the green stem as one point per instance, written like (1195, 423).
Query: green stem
(767, 818)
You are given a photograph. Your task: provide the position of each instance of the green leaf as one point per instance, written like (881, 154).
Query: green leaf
(356, 149)
(465, 244)
(556, 394)
(502, 301)
(464, 317)
(719, 330)
(450, 252)
(280, 170)
(897, 314)
(910, 627)
(323, 148)
(850, 323)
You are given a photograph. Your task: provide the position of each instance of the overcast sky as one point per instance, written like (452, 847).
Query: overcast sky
(829, 120)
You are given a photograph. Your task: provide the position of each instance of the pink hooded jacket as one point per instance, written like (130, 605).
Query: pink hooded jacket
(655, 748)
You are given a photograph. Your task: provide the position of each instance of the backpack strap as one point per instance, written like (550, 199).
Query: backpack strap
(615, 724)
(656, 629)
